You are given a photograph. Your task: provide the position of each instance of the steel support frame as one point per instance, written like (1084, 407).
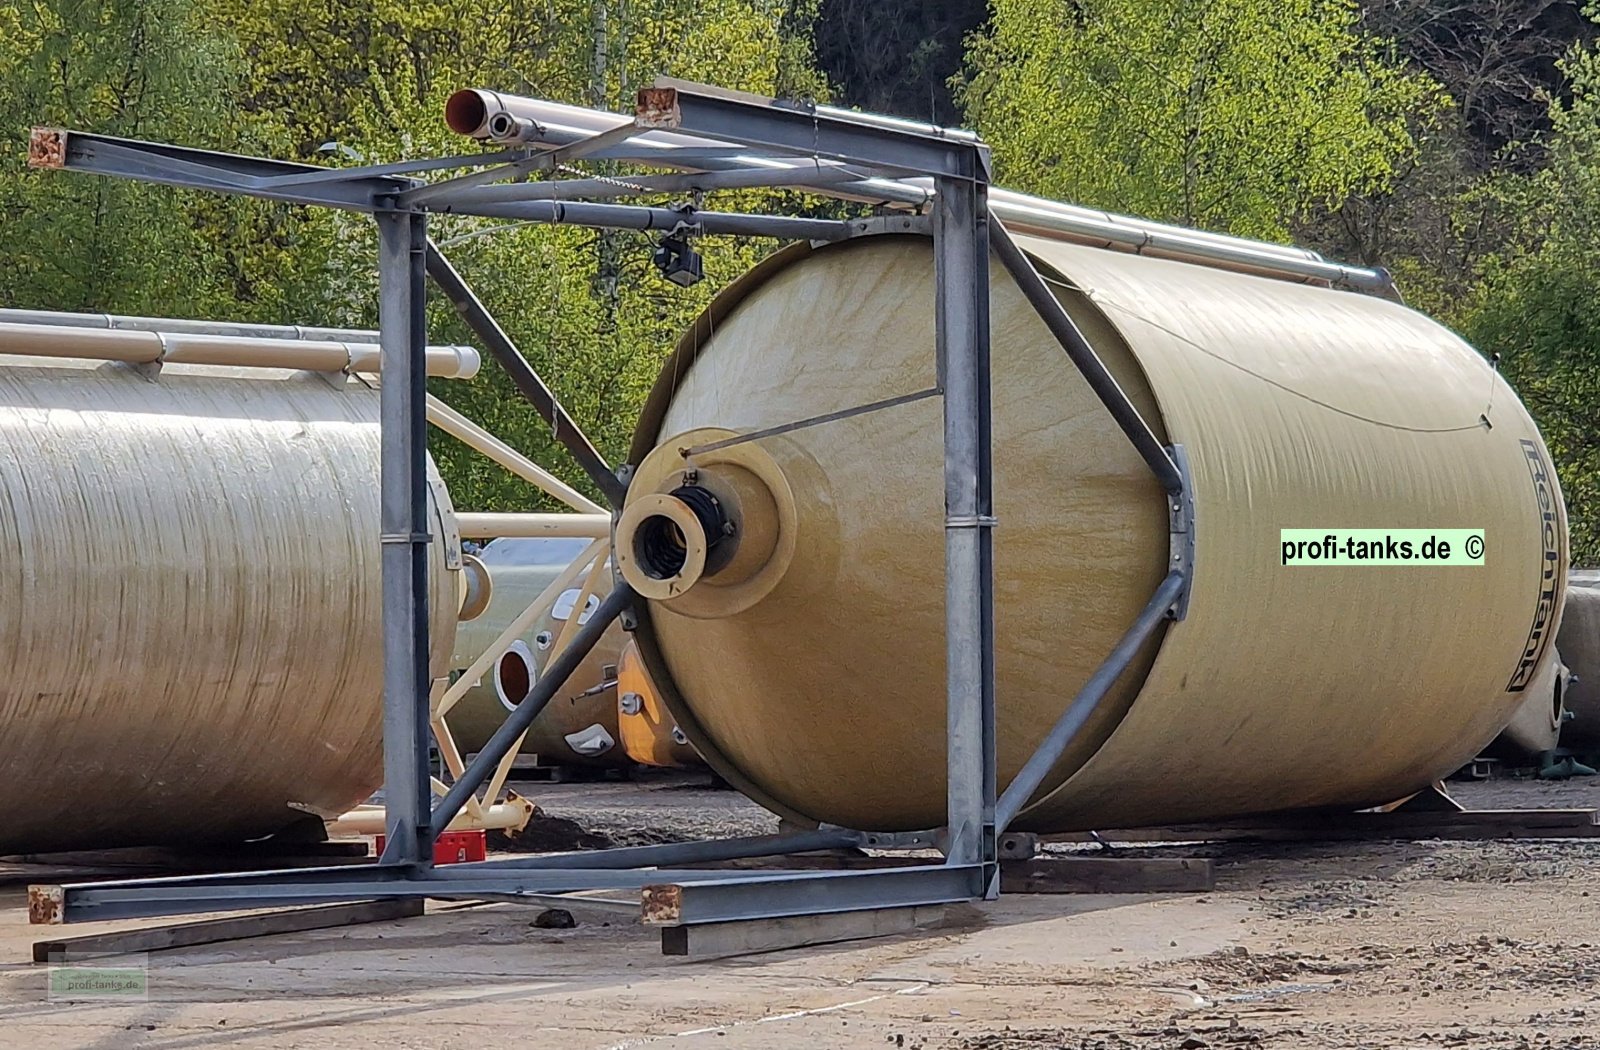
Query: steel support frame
(961, 230)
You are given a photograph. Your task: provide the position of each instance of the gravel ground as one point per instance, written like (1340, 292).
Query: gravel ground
(1329, 946)
(674, 807)
(658, 807)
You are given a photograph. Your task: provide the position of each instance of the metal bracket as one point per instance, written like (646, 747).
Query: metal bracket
(1180, 527)
(877, 225)
(406, 537)
(446, 522)
(1017, 845)
(930, 839)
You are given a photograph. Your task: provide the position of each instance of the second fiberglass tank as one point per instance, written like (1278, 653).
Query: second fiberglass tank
(803, 650)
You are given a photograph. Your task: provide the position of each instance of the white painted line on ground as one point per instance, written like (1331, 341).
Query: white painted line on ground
(629, 1044)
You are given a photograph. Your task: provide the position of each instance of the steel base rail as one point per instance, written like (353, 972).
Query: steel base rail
(292, 887)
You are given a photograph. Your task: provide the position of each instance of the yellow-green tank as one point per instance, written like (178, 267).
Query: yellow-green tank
(804, 655)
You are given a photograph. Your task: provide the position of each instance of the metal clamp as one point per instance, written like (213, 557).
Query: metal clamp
(971, 521)
(1180, 529)
(876, 225)
(406, 537)
(930, 839)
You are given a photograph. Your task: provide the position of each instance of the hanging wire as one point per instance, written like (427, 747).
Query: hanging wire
(812, 421)
(1102, 300)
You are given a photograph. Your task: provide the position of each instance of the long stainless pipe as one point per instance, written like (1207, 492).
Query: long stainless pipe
(186, 326)
(470, 112)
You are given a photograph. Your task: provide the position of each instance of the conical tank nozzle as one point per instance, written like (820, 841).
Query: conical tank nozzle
(709, 533)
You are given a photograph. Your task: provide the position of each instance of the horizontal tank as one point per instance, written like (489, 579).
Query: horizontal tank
(798, 640)
(579, 725)
(1579, 642)
(649, 735)
(1536, 725)
(192, 601)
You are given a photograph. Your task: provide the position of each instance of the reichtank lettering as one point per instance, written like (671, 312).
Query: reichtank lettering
(1544, 608)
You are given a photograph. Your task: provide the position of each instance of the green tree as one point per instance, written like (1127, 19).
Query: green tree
(1236, 115)
(367, 83)
(125, 67)
(1538, 306)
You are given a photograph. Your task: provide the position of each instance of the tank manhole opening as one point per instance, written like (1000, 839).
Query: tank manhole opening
(659, 543)
(660, 547)
(513, 676)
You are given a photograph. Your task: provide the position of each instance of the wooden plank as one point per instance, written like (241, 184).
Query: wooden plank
(706, 940)
(1107, 875)
(1045, 874)
(210, 931)
(1467, 825)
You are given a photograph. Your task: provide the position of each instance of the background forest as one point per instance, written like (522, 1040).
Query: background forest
(1456, 142)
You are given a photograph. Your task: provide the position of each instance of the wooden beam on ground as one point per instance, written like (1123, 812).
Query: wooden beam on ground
(708, 939)
(1399, 825)
(1108, 875)
(211, 931)
(1044, 874)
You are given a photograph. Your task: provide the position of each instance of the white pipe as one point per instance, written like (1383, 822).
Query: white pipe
(484, 526)
(476, 437)
(143, 347)
(555, 124)
(517, 628)
(188, 326)
(511, 814)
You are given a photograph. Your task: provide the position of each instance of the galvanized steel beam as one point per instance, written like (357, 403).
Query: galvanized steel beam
(1083, 705)
(885, 144)
(961, 307)
(1083, 357)
(206, 170)
(551, 681)
(405, 523)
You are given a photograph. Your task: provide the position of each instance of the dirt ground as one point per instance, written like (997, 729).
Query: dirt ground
(1427, 944)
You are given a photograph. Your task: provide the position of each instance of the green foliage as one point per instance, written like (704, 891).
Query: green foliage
(77, 243)
(1539, 303)
(1235, 115)
(336, 82)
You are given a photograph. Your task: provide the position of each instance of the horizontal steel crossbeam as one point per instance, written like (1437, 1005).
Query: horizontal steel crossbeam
(144, 898)
(886, 145)
(207, 170)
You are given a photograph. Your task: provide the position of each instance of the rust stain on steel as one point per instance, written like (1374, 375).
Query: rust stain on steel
(661, 905)
(47, 148)
(658, 108)
(44, 905)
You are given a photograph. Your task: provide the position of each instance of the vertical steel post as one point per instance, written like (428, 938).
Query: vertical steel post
(402, 338)
(961, 266)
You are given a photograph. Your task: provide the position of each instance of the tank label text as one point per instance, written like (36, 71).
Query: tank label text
(1545, 607)
(1381, 546)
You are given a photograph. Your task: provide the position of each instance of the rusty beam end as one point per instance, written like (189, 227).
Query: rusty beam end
(47, 148)
(657, 107)
(45, 905)
(661, 905)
